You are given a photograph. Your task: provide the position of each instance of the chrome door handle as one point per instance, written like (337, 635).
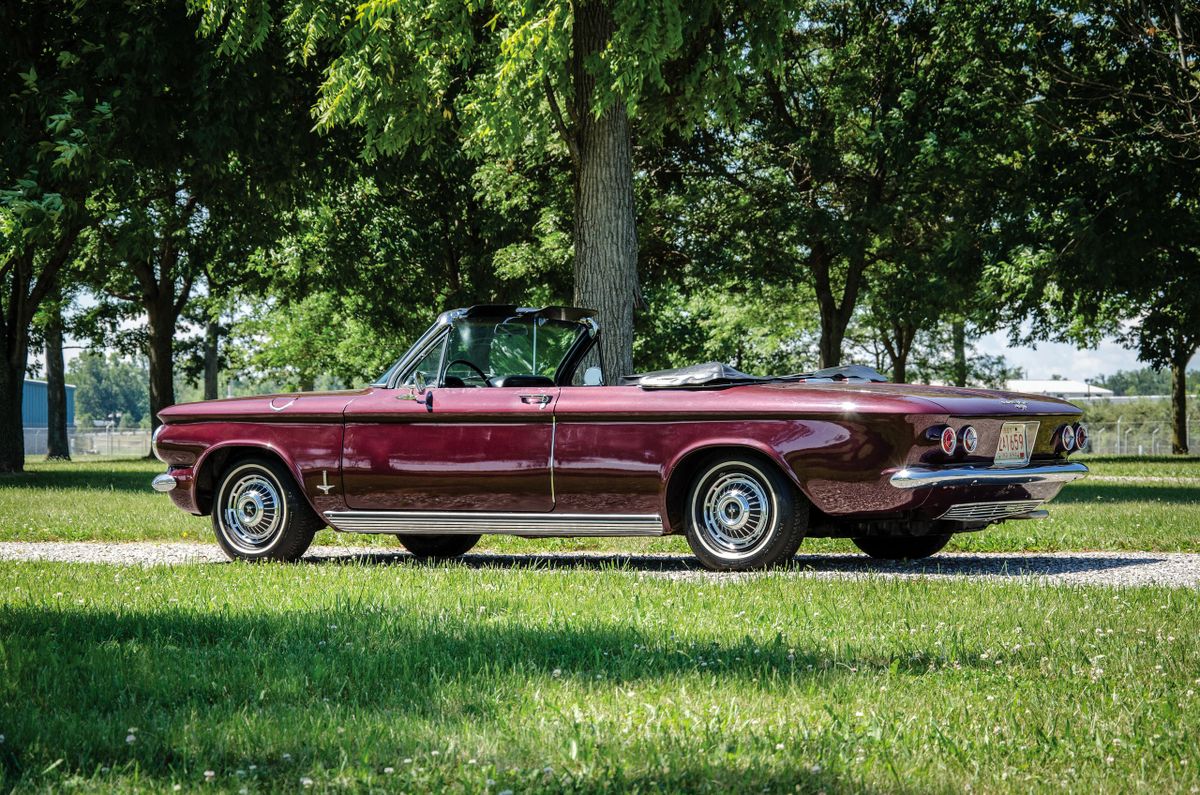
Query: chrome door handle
(540, 400)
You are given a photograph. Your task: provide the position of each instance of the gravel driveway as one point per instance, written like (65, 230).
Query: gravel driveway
(1174, 569)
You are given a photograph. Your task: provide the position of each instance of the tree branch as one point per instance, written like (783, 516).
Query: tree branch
(567, 132)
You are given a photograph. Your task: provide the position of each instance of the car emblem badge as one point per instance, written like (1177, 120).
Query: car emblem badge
(325, 486)
(1016, 404)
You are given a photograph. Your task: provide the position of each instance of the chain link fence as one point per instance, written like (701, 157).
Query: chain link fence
(1133, 438)
(93, 441)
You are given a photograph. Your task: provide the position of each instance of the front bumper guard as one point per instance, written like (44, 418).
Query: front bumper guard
(919, 477)
(163, 483)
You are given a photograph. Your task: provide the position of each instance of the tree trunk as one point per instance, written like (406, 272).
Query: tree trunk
(57, 444)
(958, 332)
(25, 291)
(212, 363)
(832, 334)
(1179, 429)
(12, 434)
(605, 239)
(161, 352)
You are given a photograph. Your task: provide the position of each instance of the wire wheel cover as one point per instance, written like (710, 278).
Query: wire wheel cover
(735, 514)
(252, 512)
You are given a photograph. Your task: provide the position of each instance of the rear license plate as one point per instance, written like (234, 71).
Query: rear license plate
(1013, 448)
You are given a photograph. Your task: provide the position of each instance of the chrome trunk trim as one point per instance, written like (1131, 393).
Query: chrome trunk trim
(164, 482)
(520, 524)
(990, 511)
(917, 477)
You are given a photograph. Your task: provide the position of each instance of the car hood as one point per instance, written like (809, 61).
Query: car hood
(282, 407)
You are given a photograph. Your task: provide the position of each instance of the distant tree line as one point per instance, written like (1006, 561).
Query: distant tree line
(286, 190)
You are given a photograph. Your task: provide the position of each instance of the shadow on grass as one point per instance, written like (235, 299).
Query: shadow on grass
(1190, 460)
(210, 690)
(960, 564)
(92, 477)
(1101, 492)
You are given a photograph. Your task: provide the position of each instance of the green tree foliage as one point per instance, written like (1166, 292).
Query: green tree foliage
(108, 387)
(1114, 216)
(867, 153)
(213, 155)
(362, 269)
(1146, 381)
(56, 130)
(511, 78)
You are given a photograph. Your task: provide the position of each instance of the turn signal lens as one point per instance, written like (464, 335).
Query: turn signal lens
(1081, 437)
(949, 440)
(969, 438)
(1068, 438)
(154, 442)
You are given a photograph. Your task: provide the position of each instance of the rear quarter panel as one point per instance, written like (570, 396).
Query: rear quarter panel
(622, 445)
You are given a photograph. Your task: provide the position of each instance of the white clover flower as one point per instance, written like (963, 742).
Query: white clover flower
(131, 739)
(306, 782)
(389, 771)
(209, 775)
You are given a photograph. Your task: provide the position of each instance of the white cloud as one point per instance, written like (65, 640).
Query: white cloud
(1058, 358)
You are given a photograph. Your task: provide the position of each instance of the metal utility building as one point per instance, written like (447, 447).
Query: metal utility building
(35, 415)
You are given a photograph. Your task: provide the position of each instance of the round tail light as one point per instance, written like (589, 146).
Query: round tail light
(949, 440)
(1068, 438)
(969, 439)
(1081, 437)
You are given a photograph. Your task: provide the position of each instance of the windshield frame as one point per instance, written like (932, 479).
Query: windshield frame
(438, 333)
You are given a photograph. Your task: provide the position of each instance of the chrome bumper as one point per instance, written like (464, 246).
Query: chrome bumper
(917, 477)
(163, 483)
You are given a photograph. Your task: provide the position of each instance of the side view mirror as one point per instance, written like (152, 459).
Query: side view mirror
(419, 378)
(593, 376)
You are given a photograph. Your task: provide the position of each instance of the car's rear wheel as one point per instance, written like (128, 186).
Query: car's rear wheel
(902, 547)
(435, 547)
(742, 513)
(260, 513)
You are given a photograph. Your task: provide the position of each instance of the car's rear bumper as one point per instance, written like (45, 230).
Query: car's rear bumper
(919, 477)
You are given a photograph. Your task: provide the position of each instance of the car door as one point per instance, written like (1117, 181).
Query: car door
(450, 449)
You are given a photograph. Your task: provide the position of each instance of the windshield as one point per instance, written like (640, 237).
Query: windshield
(475, 349)
(522, 345)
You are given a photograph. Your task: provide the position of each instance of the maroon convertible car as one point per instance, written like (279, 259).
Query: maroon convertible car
(493, 422)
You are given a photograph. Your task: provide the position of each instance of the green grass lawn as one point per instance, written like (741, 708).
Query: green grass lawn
(414, 678)
(110, 500)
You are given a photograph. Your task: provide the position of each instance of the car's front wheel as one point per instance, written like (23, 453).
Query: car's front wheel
(438, 547)
(260, 514)
(744, 514)
(902, 547)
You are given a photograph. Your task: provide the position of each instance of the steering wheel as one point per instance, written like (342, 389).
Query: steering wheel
(481, 373)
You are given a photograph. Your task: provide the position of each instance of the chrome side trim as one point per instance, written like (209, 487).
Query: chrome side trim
(990, 511)
(163, 482)
(522, 524)
(553, 436)
(916, 477)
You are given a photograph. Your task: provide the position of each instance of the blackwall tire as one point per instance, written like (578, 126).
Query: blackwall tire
(433, 547)
(259, 513)
(743, 514)
(902, 547)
